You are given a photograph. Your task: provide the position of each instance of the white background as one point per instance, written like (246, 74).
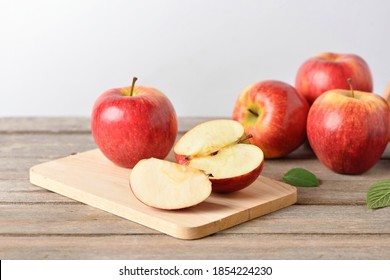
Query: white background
(56, 57)
(108, 269)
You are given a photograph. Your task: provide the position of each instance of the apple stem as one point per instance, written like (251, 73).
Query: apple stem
(244, 138)
(351, 87)
(132, 86)
(254, 113)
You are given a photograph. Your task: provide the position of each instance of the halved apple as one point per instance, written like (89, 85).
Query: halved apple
(168, 185)
(218, 148)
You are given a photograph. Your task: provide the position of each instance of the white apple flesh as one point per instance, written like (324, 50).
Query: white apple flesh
(168, 185)
(232, 168)
(209, 137)
(216, 147)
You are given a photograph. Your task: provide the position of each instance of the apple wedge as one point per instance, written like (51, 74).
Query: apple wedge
(168, 185)
(219, 148)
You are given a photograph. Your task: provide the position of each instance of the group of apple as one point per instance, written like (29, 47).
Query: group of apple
(331, 105)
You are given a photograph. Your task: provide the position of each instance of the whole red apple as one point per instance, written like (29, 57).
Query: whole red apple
(328, 71)
(348, 130)
(275, 114)
(133, 123)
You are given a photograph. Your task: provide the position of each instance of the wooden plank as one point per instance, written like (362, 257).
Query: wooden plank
(44, 125)
(218, 246)
(79, 219)
(186, 123)
(41, 146)
(63, 219)
(335, 189)
(20, 190)
(34, 196)
(68, 125)
(53, 146)
(92, 179)
(57, 145)
(272, 168)
(44, 146)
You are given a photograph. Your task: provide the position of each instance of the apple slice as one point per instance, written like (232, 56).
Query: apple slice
(168, 185)
(207, 138)
(217, 147)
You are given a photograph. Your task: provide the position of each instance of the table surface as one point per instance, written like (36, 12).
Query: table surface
(331, 221)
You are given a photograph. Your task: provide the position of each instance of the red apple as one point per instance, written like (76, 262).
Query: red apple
(348, 130)
(275, 114)
(218, 148)
(133, 123)
(328, 71)
(386, 93)
(386, 96)
(168, 185)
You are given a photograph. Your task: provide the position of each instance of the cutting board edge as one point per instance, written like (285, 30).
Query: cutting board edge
(237, 218)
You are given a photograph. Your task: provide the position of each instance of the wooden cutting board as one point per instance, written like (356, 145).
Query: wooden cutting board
(92, 179)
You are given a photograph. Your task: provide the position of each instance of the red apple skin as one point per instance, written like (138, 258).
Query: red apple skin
(328, 71)
(280, 127)
(228, 185)
(130, 128)
(181, 159)
(386, 96)
(348, 135)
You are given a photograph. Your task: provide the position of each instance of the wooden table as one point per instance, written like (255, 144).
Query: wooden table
(328, 222)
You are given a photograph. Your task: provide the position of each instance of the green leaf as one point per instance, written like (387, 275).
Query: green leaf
(378, 195)
(301, 177)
